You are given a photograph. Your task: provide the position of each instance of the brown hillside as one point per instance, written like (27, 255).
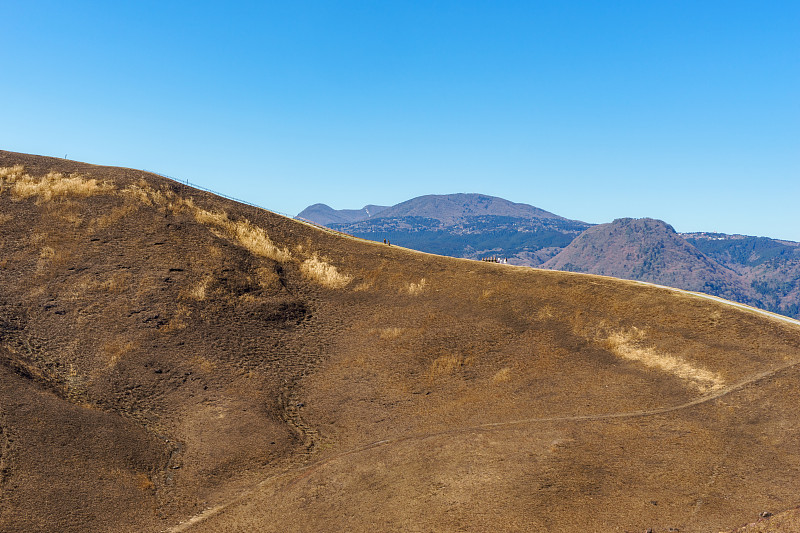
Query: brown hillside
(649, 250)
(168, 355)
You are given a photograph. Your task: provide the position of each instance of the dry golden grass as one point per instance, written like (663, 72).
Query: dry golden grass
(54, 185)
(324, 273)
(415, 289)
(11, 174)
(67, 210)
(114, 283)
(363, 286)
(205, 366)
(118, 282)
(115, 350)
(198, 292)
(144, 483)
(246, 234)
(503, 375)
(116, 214)
(251, 237)
(390, 333)
(4, 218)
(255, 239)
(178, 321)
(545, 312)
(629, 345)
(267, 278)
(46, 256)
(140, 191)
(444, 365)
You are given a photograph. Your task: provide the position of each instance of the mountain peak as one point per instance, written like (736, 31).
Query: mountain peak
(324, 214)
(643, 224)
(646, 249)
(452, 208)
(448, 209)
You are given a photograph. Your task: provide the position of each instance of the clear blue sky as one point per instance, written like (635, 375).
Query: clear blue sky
(688, 111)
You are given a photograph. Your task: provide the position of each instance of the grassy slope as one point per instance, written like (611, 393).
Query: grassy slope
(299, 379)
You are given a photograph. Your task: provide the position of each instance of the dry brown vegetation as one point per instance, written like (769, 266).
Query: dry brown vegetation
(250, 237)
(53, 185)
(417, 288)
(324, 273)
(165, 360)
(632, 345)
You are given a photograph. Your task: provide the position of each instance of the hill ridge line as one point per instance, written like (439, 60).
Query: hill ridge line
(338, 233)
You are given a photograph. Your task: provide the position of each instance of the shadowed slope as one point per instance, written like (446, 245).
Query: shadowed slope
(290, 378)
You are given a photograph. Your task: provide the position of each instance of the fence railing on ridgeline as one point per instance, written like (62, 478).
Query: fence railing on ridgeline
(229, 197)
(212, 191)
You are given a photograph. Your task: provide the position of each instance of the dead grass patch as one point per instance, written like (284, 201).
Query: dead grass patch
(363, 286)
(324, 273)
(140, 191)
(144, 483)
(67, 210)
(445, 365)
(115, 350)
(51, 186)
(246, 234)
(117, 283)
(205, 366)
(4, 218)
(390, 333)
(178, 321)
(630, 345)
(415, 289)
(47, 256)
(37, 238)
(198, 292)
(503, 375)
(11, 173)
(544, 312)
(267, 278)
(116, 214)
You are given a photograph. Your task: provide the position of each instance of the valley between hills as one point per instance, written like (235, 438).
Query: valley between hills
(175, 361)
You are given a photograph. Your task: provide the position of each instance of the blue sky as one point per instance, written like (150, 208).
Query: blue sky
(684, 111)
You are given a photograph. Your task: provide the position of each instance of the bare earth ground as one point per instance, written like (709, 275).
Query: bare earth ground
(175, 361)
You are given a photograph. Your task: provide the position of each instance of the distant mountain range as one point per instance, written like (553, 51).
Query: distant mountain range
(322, 214)
(459, 225)
(757, 271)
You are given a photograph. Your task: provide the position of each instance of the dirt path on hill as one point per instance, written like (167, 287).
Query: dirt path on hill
(305, 471)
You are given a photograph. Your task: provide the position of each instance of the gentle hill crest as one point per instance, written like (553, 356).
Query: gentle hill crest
(753, 270)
